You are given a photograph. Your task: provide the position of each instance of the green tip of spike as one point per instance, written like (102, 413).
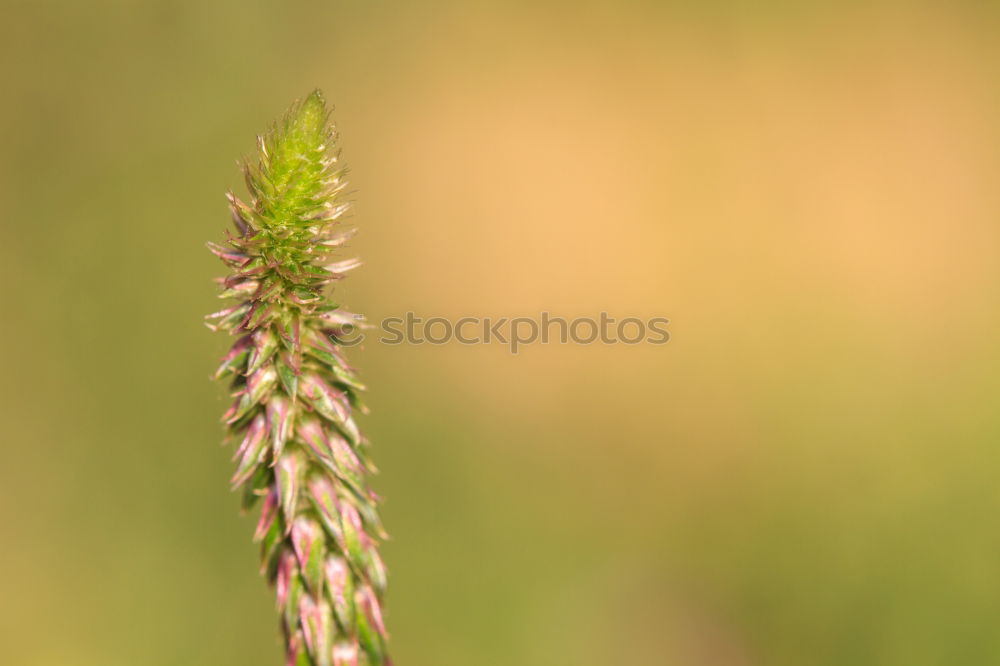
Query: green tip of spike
(311, 116)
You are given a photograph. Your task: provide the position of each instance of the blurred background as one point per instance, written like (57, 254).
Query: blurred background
(806, 474)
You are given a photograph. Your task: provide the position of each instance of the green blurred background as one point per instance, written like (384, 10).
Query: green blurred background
(806, 474)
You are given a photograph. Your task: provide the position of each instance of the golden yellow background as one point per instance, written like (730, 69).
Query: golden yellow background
(807, 474)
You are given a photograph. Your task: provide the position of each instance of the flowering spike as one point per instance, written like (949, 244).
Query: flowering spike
(295, 396)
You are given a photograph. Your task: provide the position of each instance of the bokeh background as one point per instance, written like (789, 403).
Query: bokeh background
(806, 474)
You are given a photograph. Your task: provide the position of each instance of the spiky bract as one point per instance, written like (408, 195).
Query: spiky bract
(300, 451)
